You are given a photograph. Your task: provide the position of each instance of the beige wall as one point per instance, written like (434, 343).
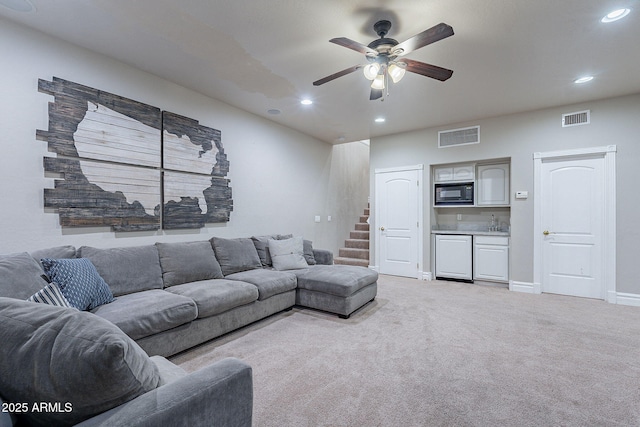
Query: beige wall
(613, 122)
(349, 190)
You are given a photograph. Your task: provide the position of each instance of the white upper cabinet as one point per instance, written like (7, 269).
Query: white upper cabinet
(493, 185)
(459, 173)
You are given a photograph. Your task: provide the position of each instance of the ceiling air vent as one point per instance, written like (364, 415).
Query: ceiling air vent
(454, 137)
(577, 118)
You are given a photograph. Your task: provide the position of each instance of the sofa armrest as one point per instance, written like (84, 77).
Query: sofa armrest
(323, 256)
(217, 395)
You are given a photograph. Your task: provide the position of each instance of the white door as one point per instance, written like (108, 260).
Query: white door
(397, 220)
(572, 213)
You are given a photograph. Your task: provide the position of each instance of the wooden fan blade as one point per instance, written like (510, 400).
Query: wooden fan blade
(433, 34)
(354, 45)
(336, 75)
(375, 94)
(428, 70)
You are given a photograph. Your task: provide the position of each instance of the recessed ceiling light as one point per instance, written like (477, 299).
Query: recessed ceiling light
(380, 120)
(274, 111)
(306, 101)
(18, 5)
(583, 79)
(615, 15)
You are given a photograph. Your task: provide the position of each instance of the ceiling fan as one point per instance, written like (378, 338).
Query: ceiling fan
(386, 60)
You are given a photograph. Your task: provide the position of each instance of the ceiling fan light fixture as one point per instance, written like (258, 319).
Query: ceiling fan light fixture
(371, 70)
(396, 72)
(378, 82)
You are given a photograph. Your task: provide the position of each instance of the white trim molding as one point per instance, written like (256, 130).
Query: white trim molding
(426, 275)
(623, 298)
(526, 287)
(400, 169)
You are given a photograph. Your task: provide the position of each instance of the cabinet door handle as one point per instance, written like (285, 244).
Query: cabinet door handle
(381, 228)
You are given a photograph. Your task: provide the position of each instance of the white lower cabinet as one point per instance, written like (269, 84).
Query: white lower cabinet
(491, 258)
(453, 256)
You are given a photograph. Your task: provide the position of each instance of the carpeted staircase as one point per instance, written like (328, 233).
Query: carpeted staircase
(356, 250)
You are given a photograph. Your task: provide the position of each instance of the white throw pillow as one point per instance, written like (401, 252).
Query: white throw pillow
(287, 254)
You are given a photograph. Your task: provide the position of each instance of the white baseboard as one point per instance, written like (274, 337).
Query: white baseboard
(613, 297)
(426, 275)
(623, 298)
(526, 287)
(375, 268)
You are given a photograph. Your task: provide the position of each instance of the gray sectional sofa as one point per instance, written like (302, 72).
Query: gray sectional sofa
(166, 298)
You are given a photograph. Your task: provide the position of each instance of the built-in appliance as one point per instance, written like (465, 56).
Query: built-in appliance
(454, 257)
(454, 194)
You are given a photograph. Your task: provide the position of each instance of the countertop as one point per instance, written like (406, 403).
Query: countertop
(472, 232)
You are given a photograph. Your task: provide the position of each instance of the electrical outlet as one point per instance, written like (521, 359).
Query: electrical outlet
(459, 217)
(317, 218)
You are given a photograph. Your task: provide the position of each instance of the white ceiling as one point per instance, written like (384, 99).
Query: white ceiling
(507, 55)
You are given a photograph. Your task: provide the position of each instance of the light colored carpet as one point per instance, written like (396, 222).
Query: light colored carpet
(442, 354)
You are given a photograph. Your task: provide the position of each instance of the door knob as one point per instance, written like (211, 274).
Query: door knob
(546, 232)
(381, 228)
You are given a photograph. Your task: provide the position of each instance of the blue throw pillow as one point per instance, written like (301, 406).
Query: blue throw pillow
(79, 282)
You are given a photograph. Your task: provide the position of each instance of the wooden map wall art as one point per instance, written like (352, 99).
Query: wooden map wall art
(129, 165)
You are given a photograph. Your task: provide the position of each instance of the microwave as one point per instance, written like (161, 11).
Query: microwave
(454, 194)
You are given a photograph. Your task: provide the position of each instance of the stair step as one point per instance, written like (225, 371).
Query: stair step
(367, 212)
(362, 226)
(364, 219)
(357, 243)
(359, 235)
(353, 253)
(351, 261)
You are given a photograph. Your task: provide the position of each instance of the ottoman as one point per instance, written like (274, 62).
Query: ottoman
(339, 289)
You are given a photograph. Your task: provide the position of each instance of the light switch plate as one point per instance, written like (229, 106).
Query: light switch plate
(317, 218)
(522, 194)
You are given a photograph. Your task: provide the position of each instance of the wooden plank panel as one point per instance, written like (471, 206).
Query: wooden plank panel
(187, 145)
(136, 184)
(120, 187)
(104, 134)
(111, 157)
(192, 200)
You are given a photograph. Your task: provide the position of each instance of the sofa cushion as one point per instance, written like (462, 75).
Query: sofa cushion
(79, 281)
(148, 312)
(339, 280)
(56, 252)
(50, 294)
(287, 254)
(168, 371)
(262, 247)
(216, 296)
(126, 270)
(268, 282)
(235, 255)
(20, 276)
(307, 248)
(188, 262)
(56, 354)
